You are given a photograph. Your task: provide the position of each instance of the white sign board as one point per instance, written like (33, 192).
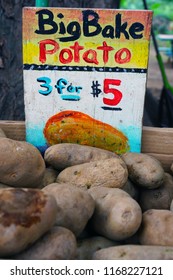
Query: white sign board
(85, 76)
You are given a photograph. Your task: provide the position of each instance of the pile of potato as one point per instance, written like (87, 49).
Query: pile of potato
(81, 202)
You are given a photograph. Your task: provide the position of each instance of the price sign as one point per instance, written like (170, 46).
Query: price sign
(85, 74)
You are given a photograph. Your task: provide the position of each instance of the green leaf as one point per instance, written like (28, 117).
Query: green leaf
(155, 6)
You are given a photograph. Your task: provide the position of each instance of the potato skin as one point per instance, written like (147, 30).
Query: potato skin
(49, 177)
(86, 247)
(131, 189)
(110, 173)
(21, 164)
(61, 156)
(156, 228)
(171, 206)
(159, 198)
(171, 168)
(134, 252)
(2, 133)
(25, 215)
(57, 244)
(144, 170)
(4, 186)
(117, 216)
(75, 206)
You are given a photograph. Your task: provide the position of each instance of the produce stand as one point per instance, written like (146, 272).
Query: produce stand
(53, 196)
(155, 141)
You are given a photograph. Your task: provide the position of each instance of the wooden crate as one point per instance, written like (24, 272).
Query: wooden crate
(155, 141)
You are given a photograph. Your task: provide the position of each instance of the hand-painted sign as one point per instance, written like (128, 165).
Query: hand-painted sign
(85, 76)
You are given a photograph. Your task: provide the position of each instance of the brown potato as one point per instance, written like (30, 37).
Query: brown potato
(57, 244)
(49, 177)
(21, 164)
(2, 133)
(75, 206)
(159, 198)
(110, 173)
(156, 228)
(4, 186)
(61, 156)
(25, 215)
(171, 206)
(86, 247)
(134, 252)
(117, 215)
(144, 170)
(131, 189)
(172, 168)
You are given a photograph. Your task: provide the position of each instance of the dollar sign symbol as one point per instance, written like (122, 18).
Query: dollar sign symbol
(95, 89)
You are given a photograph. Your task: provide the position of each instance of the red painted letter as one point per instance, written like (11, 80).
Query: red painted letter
(92, 59)
(63, 59)
(76, 47)
(119, 54)
(106, 49)
(44, 51)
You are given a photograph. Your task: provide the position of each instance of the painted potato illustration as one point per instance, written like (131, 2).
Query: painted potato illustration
(77, 127)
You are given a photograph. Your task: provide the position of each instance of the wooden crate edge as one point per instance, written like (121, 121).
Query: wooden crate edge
(154, 140)
(150, 137)
(157, 140)
(14, 129)
(166, 160)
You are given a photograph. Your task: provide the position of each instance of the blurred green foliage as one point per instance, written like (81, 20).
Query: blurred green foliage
(162, 16)
(160, 7)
